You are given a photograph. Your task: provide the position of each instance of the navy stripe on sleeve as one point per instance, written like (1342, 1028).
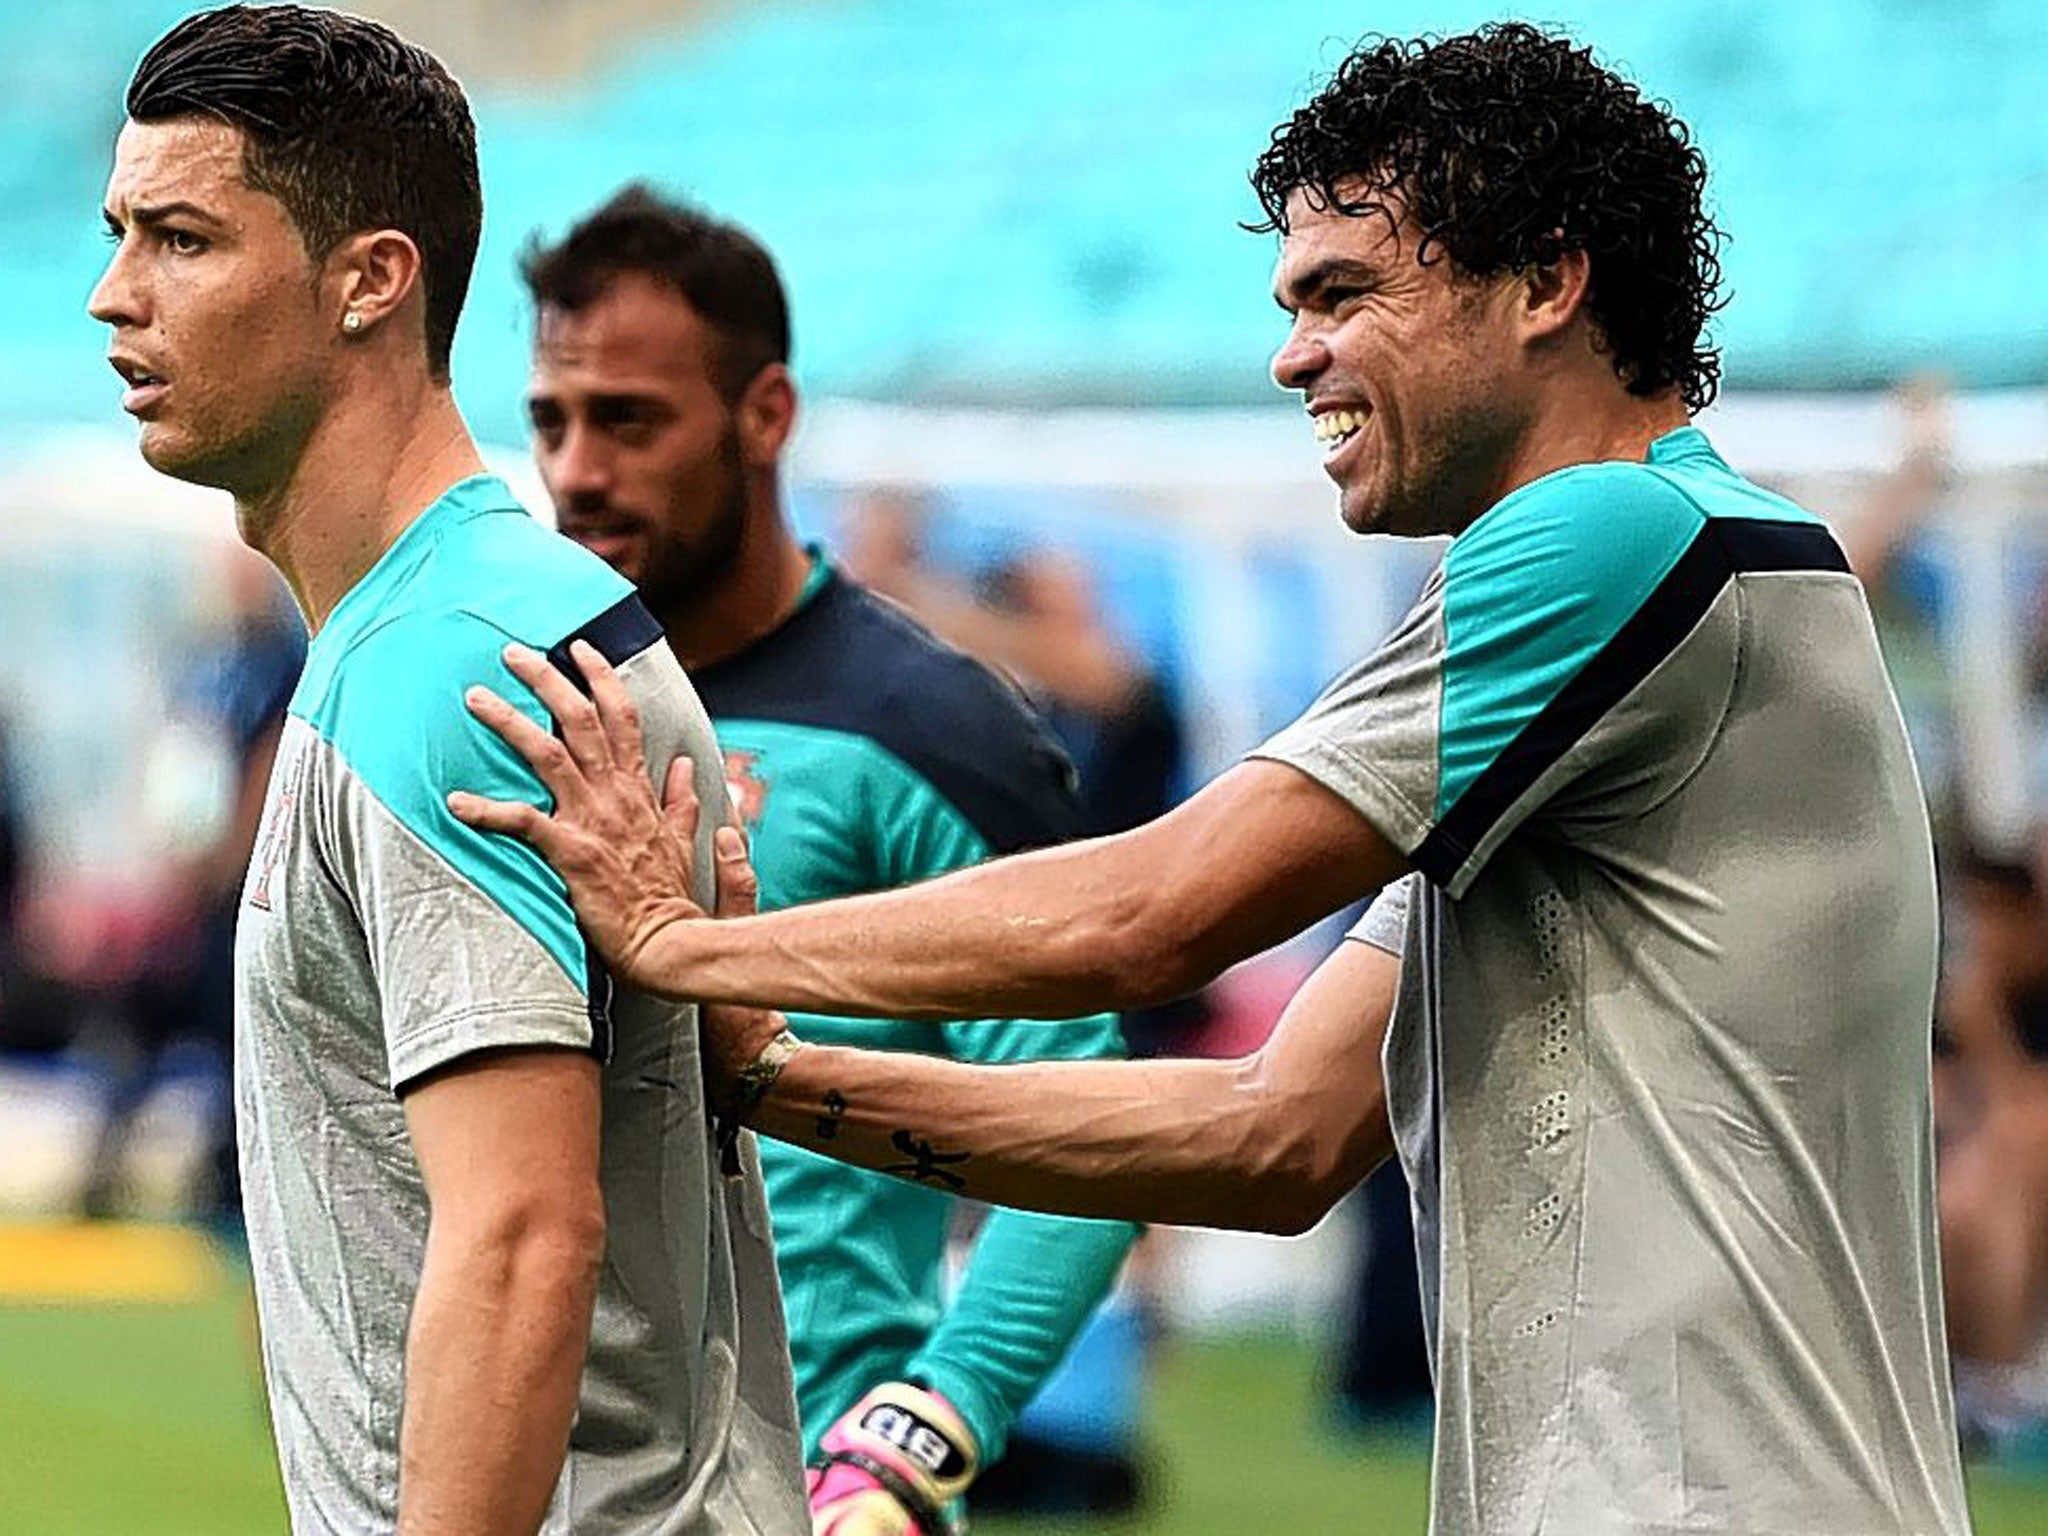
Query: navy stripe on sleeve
(620, 633)
(1723, 549)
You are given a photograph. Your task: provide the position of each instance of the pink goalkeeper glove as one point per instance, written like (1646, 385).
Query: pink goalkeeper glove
(891, 1466)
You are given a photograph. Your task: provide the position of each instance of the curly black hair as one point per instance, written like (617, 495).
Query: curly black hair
(1508, 147)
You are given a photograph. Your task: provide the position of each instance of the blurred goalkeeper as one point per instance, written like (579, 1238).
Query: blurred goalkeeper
(862, 754)
(1656, 1010)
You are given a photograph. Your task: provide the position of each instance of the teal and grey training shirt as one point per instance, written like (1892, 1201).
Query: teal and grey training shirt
(380, 940)
(865, 754)
(1659, 1064)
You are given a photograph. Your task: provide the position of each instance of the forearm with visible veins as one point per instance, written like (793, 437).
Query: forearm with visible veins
(1203, 1143)
(1047, 935)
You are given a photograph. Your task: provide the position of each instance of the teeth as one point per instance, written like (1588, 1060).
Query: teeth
(1335, 426)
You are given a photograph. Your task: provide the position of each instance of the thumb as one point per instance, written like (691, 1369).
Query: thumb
(738, 887)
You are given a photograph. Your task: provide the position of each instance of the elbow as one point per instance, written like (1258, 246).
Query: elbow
(1141, 957)
(545, 1243)
(1303, 1160)
(1292, 1201)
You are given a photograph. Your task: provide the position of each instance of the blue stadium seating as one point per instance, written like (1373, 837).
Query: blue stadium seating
(1039, 203)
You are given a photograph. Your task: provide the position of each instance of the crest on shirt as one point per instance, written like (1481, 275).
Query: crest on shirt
(277, 827)
(743, 782)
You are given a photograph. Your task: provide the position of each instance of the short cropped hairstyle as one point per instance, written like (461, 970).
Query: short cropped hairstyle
(1508, 147)
(720, 270)
(345, 123)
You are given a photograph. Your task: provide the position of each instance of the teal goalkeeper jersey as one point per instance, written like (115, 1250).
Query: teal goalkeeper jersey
(865, 754)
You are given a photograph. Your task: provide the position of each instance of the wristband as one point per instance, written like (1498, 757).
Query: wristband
(750, 1087)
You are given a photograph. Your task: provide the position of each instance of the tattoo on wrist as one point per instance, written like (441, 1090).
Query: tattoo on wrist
(928, 1164)
(750, 1087)
(834, 1112)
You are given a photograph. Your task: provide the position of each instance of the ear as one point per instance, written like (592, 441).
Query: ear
(1551, 297)
(374, 274)
(766, 415)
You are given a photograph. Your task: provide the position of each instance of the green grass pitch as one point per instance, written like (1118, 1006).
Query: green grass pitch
(147, 1418)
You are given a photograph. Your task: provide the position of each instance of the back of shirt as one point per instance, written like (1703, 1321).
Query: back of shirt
(1659, 1067)
(382, 940)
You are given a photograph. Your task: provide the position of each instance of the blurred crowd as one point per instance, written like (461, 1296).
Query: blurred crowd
(1991, 1023)
(115, 1017)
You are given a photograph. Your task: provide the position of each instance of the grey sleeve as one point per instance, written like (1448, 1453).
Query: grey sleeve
(1384, 924)
(453, 971)
(1372, 736)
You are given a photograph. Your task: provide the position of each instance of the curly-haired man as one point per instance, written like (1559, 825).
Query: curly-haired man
(1653, 965)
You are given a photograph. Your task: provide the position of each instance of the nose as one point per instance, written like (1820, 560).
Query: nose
(580, 468)
(116, 299)
(1300, 360)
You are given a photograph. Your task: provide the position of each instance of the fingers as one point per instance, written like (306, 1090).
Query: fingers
(739, 889)
(546, 755)
(512, 816)
(680, 807)
(617, 715)
(575, 716)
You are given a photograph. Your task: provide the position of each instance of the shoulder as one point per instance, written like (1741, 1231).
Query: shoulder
(389, 699)
(509, 573)
(1574, 553)
(861, 666)
(1599, 519)
(392, 709)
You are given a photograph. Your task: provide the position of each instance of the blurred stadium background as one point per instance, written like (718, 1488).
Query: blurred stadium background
(1032, 340)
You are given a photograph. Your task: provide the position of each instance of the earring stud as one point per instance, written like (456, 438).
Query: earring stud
(351, 321)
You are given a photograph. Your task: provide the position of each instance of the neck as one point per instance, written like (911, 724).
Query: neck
(754, 597)
(1587, 427)
(369, 467)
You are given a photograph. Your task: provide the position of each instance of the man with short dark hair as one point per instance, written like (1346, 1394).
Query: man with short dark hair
(864, 754)
(502, 1285)
(1659, 985)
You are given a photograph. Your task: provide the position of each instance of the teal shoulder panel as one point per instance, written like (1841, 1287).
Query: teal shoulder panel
(529, 581)
(1535, 588)
(1688, 463)
(393, 712)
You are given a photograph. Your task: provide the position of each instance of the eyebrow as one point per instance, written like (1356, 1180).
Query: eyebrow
(1305, 285)
(600, 399)
(150, 214)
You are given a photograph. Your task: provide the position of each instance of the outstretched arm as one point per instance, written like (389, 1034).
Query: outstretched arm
(1111, 923)
(1268, 1142)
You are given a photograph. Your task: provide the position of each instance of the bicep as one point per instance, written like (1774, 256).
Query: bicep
(497, 1133)
(1256, 856)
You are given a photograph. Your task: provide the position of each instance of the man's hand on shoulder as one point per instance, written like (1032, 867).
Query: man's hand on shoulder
(628, 859)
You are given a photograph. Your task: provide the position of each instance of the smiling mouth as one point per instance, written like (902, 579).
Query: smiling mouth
(1334, 429)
